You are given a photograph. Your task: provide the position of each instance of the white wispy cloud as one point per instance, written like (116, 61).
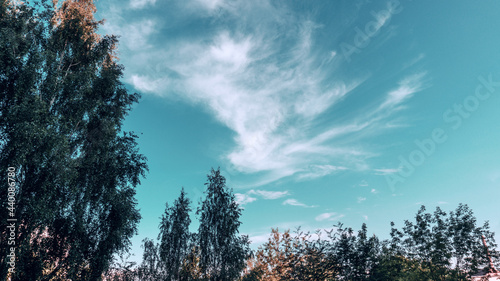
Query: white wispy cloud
(243, 199)
(139, 4)
(381, 20)
(316, 171)
(295, 202)
(271, 94)
(384, 172)
(251, 195)
(407, 87)
(134, 35)
(270, 195)
(259, 239)
(361, 199)
(264, 100)
(414, 60)
(332, 216)
(374, 191)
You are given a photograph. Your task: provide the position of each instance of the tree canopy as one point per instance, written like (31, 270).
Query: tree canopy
(62, 106)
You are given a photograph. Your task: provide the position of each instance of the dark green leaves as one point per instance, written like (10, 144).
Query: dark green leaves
(222, 251)
(175, 237)
(62, 106)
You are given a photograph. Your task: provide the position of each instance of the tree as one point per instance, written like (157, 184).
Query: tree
(294, 257)
(312, 259)
(345, 251)
(149, 268)
(274, 258)
(122, 270)
(222, 251)
(434, 240)
(397, 268)
(174, 237)
(190, 268)
(356, 254)
(465, 237)
(62, 106)
(367, 251)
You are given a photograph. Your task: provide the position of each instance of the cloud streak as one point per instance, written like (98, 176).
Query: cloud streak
(251, 196)
(407, 87)
(140, 4)
(295, 202)
(331, 216)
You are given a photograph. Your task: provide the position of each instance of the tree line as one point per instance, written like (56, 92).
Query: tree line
(434, 246)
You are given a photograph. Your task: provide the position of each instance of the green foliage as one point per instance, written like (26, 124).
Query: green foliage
(175, 237)
(216, 252)
(222, 251)
(356, 254)
(254, 275)
(434, 240)
(190, 268)
(428, 249)
(311, 258)
(294, 257)
(275, 257)
(398, 268)
(149, 268)
(465, 238)
(122, 270)
(422, 250)
(62, 106)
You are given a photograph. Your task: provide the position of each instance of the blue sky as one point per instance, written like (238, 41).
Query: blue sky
(315, 111)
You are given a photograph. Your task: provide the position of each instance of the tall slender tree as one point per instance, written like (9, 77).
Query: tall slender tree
(62, 106)
(150, 266)
(222, 251)
(175, 237)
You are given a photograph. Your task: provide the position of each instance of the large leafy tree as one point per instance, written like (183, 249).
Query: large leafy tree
(434, 240)
(222, 251)
(175, 237)
(62, 106)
